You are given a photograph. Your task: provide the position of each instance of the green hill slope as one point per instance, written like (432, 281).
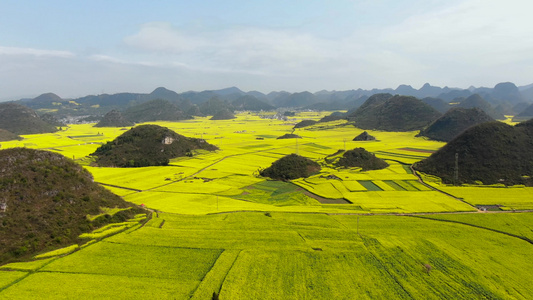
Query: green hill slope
(291, 167)
(397, 113)
(20, 119)
(361, 158)
(147, 145)
(525, 114)
(364, 136)
(248, 102)
(223, 114)
(453, 122)
(8, 136)
(155, 110)
(114, 119)
(478, 101)
(45, 200)
(491, 152)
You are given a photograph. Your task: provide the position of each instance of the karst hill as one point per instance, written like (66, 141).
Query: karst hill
(479, 102)
(393, 113)
(489, 153)
(114, 119)
(223, 114)
(290, 167)
(8, 136)
(147, 145)
(154, 110)
(45, 201)
(20, 119)
(361, 158)
(289, 136)
(364, 136)
(525, 114)
(454, 122)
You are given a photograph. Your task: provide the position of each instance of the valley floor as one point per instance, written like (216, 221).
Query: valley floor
(217, 227)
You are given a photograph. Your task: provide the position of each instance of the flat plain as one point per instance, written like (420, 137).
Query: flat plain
(218, 227)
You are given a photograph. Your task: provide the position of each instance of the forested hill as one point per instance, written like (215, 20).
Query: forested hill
(147, 145)
(490, 153)
(20, 119)
(454, 122)
(396, 113)
(45, 201)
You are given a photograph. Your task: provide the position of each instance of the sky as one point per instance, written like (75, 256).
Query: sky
(75, 48)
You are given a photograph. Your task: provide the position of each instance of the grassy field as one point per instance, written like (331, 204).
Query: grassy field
(340, 234)
(291, 256)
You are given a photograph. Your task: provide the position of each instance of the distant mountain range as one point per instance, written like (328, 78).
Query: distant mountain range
(505, 97)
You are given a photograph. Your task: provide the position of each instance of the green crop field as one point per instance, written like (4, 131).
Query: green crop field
(219, 227)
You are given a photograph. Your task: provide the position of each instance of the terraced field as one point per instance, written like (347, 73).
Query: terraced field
(218, 227)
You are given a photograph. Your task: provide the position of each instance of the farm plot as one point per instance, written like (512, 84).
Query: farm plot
(27, 265)
(139, 178)
(291, 256)
(454, 250)
(192, 203)
(140, 261)
(511, 198)
(275, 193)
(185, 203)
(520, 224)
(303, 275)
(406, 202)
(51, 285)
(322, 189)
(8, 277)
(209, 239)
(354, 186)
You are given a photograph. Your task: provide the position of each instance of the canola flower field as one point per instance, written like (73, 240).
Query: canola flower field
(218, 227)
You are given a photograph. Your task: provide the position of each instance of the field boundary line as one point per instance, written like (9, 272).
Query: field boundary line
(210, 165)
(119, 187)
(476, 226)
(218, 264)
(440, 191)
(30, 272)
(229, 270)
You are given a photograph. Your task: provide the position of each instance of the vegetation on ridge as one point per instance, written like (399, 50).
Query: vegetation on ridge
(20, 119)
(114, 119)
(487, 153)
(45, 201)
(396, 113)
(154, 110)
(291, 167)
(147, 145)
(453, 122)
(361, 158)
(8, 136)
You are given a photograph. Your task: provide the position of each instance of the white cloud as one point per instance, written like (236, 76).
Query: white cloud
(255, 50)
(163, 37)
(474, 32)
(35, 52)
